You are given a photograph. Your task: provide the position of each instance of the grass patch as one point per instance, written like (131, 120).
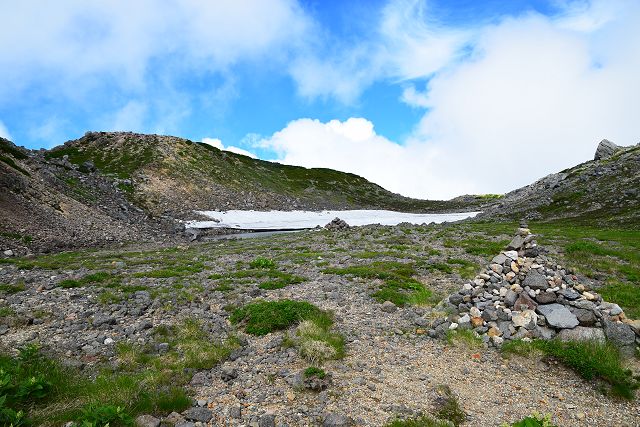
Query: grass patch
(422, 421)
(313, 371)
(263, 317)
(316, 342)
(399, 285)
(465, 338)
(49, 394)
(590, 360)
(263, 263)
(448, 406)
(626, 295)
(12, 289)
(174, 271)
(275, 279)
(90, 279)
(534, 420)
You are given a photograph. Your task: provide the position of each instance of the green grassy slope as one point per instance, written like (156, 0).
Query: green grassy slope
(191, 167)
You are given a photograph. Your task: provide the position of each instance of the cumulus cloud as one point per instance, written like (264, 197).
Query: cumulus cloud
(354, 146)
(4, 132)
(215, 142)
(532, 96)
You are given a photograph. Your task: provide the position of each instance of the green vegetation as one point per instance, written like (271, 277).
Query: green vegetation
(534, 420)
(465, 338)
(313, 336)
(316, 342)
(399, 285)
(626, 295)
(448, 407)
(15, 236)
(423, 421)
(263, 263)
(147, 382)
(263, 317)
(12, 289)
(174, 271)
(90, 279)
(275, 279)
(11, 163)
(466, 269)
(36, 390)
(313, 371)
(590, 360)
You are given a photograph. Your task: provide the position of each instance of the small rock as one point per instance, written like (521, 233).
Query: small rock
(337, 420)
(147, 421)
(388, 307)
(198, 414)
(581, 333)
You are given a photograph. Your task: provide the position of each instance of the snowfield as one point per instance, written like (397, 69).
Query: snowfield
(299, 220)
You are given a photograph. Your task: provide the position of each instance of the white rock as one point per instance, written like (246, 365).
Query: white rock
(8, 252)
(453, 326)
(108, 341)
(475, 312)
(503, 292)
(467, 287)
(465, 319)
(512, 254)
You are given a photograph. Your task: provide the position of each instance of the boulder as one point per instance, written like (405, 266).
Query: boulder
(535, 280)
(581, 333)
(524, 300)
(606, 149)
(147, 421)
(621, 335)
(558, 316)
(516, 243)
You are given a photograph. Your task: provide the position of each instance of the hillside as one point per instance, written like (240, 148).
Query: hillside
(599, 192)
(170, 174)
(108, 188)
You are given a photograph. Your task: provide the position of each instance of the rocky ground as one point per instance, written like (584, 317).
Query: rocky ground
(83, 307)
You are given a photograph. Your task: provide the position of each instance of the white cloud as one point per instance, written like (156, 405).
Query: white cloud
(81, 43)
(4, 132)
(215, 142)
(534, 95)
(353, 146)
(407, 44)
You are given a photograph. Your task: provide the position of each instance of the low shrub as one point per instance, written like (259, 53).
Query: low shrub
(263, 317)
(423, 421)
(589, 359)
(263, 263)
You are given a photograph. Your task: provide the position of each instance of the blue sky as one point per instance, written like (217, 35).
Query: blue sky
(431, 98)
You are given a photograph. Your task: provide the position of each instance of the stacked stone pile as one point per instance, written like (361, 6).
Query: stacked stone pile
(337, 224)
(523, 294)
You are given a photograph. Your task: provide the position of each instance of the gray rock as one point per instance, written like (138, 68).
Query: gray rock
(499, 259)
(621, 335)
(388, 307)
(558, 316)
(510, 298)
(524, 302)
(147, 421)
(337, 420)
(235, 412)
(585, 317)
(606, 149)
(100, 320)
(228, 373)
(535, 280)
(581, 333)
(455, 299)
(569, 294)
(198, 414)
(546, 297)
(516, 243)
(267, 420)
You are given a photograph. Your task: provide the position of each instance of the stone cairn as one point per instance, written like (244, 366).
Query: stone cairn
(337, 224)
(523, 294)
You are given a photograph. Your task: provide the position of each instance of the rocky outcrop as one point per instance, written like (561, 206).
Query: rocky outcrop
(606, 149)
(523, 294)
(603, 191)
